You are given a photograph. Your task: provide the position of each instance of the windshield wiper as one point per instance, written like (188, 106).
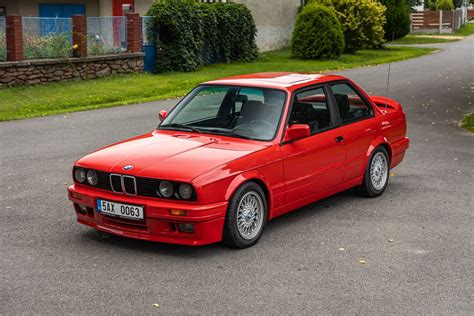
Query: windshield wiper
(227, 133)
(181, 126)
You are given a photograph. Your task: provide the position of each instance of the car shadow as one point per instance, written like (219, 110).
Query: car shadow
(307, 213)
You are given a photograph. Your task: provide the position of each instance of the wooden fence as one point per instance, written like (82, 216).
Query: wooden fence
(436, 21)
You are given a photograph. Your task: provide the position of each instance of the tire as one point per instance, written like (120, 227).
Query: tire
(248, 210)
(378, 168)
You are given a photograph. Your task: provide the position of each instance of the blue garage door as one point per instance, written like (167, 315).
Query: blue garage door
(61, 10)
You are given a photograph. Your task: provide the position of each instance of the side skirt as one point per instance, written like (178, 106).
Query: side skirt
(313, 198)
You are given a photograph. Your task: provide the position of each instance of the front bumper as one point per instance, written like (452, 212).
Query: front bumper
(159, 225)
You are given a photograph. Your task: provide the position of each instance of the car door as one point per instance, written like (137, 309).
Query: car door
(358, 127)
(315, 163)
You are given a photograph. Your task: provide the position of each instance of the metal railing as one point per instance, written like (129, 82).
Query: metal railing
(3, 39)
(47, 37)
(106, 35)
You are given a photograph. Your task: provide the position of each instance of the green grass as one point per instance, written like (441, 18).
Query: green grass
(468, 122)
(56, 98)
(465, 30)
(424, 39)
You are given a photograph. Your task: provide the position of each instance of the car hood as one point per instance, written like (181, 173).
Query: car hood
(169, 155)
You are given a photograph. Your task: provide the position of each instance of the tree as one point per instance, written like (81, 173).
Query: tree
(444, 5)
(362, 22)
(398, 18)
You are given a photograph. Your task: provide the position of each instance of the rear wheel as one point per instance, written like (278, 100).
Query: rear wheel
(376, 174)
(246, 216)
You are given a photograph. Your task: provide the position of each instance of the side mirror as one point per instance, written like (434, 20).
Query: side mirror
(296, 131)
(162, 115)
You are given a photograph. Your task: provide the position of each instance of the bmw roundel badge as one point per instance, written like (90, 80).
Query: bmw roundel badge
(128, 167)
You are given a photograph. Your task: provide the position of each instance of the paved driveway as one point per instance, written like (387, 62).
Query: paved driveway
(417, 239)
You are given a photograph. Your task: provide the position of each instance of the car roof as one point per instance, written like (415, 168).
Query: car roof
(278, 80)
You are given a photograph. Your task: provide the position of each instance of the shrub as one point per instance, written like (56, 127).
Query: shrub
(398, 18)
(229, 33)
(362, 22)
(180, 40)
(192, 34)
(444, 5)
(317, 34)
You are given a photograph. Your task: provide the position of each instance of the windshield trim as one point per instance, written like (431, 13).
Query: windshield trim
(230, 86)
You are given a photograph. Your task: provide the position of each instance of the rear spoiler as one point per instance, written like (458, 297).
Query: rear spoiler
(382, 102)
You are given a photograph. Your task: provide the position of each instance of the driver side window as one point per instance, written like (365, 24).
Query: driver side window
(311, 108)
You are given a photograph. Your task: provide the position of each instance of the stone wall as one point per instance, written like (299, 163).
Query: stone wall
(31, 72)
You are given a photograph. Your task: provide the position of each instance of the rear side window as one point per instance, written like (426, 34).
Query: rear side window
(311, 108)
(351, 105)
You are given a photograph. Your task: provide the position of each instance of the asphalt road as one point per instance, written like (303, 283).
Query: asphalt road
(417, 239)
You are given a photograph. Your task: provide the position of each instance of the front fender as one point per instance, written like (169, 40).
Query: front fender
(244, 177)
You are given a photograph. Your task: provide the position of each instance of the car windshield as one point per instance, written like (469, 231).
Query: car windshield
(243, 112)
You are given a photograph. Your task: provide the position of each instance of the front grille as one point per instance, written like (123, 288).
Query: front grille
(129, 185)
(116, 182)
(104, 181)
(147, 187)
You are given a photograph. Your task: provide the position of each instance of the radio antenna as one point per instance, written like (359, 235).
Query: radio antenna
(388, 76)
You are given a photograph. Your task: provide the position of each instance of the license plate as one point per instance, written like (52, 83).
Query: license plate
(121, 210)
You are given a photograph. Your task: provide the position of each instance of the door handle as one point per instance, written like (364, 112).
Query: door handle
(339, 139)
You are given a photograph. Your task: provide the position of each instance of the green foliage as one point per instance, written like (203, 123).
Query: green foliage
(97, 45)
(468, 122)
(180, 41)
(192, 34)
(3, 44)
(317, 34)
(229, 33)
(444, 5)
(362, 22)
(398, 18)
(47, 46)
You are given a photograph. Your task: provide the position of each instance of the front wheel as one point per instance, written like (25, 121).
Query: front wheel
(376, 174)
(246, 216)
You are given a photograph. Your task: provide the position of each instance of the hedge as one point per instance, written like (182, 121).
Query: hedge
(317, 34)
(192, 34)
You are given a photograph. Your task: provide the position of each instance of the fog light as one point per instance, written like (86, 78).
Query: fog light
(82, 208)
(186, 228)
(178, 212)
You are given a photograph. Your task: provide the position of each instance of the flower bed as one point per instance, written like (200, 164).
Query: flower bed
(49, 46)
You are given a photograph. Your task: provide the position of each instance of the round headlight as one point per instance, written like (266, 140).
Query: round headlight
(80, 175)
(185, 191)
(92, 177)
(166, 189)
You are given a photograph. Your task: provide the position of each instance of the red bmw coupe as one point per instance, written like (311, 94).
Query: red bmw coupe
(238, 152)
